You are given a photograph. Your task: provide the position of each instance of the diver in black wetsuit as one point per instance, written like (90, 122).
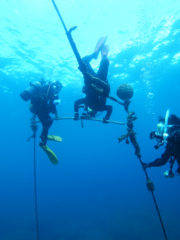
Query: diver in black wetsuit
(172, 149)
(44, 97)
(96, 86)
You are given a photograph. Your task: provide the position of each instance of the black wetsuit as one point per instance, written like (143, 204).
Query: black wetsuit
(93, 99)
(42, 104)
(172, 151)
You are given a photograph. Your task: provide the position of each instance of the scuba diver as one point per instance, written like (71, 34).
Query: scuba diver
(43, 96)
(168, 132)
(96, 86)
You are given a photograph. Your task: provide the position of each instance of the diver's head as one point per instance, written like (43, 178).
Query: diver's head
(35, 84)
(166, 129)
(42, 81)
(161, 134)
(56, 87)
(160, 130)
(105, 50)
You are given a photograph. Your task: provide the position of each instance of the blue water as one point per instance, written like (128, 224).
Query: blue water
(98, 189)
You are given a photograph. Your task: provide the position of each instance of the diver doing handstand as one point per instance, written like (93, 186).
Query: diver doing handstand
(96, 87)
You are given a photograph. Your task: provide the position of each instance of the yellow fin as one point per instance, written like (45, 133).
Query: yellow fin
(54, 138)
(51, 155)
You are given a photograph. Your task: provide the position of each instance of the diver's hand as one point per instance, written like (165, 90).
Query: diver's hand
(56, 116)
(105, 120)
(145, 165)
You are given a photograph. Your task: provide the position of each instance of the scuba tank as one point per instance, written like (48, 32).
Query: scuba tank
(162, 128)
(165, 134)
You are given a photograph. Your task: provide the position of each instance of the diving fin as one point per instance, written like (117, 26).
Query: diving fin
(51, 155)
(100, 43)
(54, 138)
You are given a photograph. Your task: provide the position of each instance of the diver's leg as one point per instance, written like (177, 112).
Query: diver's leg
(46, 121)
(77, 105)
(108, 109)
(103, 69)
(178, 170)
(87, 60)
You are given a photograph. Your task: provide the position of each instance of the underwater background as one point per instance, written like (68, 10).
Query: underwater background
(98, 190)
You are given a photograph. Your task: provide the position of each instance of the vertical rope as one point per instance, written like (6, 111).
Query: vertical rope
(150, 185)
(132, 136)
(151, 189)
(159, 215)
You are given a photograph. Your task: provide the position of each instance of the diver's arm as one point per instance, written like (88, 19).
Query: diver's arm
(161, 161)
(56, 115)
(54, 111)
